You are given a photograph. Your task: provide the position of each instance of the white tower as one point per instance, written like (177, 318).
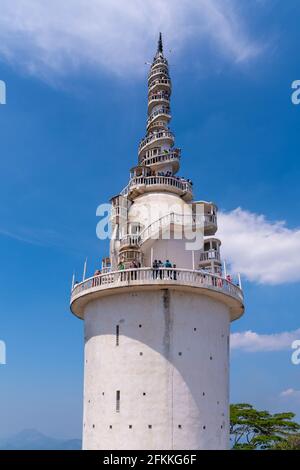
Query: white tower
(157, 337)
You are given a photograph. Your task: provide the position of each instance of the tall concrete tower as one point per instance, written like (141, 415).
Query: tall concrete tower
(157, 316)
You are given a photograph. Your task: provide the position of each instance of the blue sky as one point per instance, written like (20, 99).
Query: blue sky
(75, 112)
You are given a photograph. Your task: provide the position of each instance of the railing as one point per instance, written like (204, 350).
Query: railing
(129, 240)
(171, 181)
(166, 157)
(158, 71)
(210, 219)
(152, 231)
(160, 60)
(210, 255)
(157, 112)
(162, 81)
(183, 220)
(150, 276)
(162, 96)
(156, 136)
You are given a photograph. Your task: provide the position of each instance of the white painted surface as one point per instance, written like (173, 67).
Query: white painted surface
(188, 390)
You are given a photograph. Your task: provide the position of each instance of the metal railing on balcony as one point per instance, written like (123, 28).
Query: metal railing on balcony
(152, 276)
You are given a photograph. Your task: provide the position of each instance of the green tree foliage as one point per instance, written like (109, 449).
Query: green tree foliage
(251, 429)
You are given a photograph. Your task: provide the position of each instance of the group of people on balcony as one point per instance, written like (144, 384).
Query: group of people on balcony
(169, 174)
(160, 270)
(157, 266)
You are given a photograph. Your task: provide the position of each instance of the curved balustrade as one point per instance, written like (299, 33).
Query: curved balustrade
(157, 126)
(165, 276)
(171, 181)
(158, 72)
(158, 99)
(162, 158)
(160, 82)
(129, 240)
(160, 60)
(210, 255)
(161, 111)
(154, 137)
(190, 221)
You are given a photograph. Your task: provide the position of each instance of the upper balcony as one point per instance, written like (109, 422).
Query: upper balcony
(130, 280)
(156, 99)
(209, 210)
(162, 69)
(160, 84)
(162, 159)
(210, 258)
(159, 61)
(158, 71)
(141, 184)
(162, 112)
(157, 139)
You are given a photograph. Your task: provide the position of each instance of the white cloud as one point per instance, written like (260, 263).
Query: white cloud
(49, 38)
(249, 341)
(262, 251)
(290, 392)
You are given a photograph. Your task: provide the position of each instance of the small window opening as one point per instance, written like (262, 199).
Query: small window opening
(118, 401)
(117, 334)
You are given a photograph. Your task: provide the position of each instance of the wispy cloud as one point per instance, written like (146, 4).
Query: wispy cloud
(290, 393)
(249, 341)
(263, 251)
(50, 38)
(33, 236)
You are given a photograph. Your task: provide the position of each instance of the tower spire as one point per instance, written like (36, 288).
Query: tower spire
(159, 140)
(160, 44)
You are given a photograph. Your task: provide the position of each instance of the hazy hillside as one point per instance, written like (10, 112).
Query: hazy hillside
(30, 439)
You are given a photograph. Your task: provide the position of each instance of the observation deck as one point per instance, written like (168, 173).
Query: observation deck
(142, 184)
(162, 278)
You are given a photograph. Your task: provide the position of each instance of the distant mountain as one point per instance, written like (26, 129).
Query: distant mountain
(30, 439)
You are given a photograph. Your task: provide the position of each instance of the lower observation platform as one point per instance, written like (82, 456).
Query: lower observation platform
(116, 282)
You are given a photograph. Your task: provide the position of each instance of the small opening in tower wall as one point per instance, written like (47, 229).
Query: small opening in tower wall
(195, 329)
(130, 426)
(118, 401)
(140, 326)
(150, 426)
(179, 426)
(117, 334)
(110, 426)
